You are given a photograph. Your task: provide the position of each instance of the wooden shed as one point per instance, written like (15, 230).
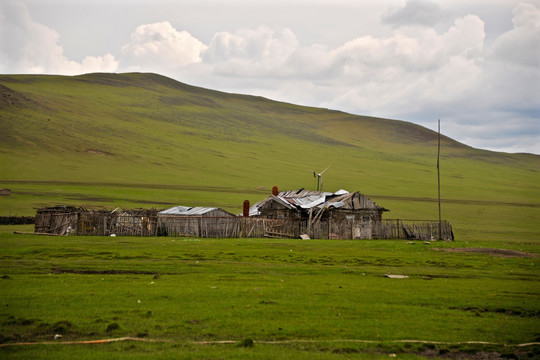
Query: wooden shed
(59, 220)
(320, 214)
(195, 221)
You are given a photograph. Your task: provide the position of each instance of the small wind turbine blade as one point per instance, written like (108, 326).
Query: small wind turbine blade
(324, 170)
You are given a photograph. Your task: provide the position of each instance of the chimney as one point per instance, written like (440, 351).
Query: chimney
(275, 191)
(246, 208)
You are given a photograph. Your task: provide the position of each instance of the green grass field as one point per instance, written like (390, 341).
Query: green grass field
(293, 298)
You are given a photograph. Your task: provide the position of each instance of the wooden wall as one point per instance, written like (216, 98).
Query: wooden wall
(150, 224)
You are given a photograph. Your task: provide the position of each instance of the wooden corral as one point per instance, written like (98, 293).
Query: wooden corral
(345, 216)
(353, 229)
(133, 222)
(65, 220)
(212, 227)
(413, 230)
(60, 220)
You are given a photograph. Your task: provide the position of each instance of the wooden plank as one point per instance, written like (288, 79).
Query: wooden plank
(36, 233)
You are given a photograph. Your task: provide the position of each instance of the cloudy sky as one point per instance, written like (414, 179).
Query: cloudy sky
(474, 64)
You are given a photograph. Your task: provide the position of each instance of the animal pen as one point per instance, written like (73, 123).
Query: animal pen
(66, 220)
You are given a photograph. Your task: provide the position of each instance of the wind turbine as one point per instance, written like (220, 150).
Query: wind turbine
(319, 178)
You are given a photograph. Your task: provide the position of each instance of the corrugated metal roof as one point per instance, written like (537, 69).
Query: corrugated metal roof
(174, 210)
(308, 199)
(334, 204)
(199, 211)
(293, 194)
(187, 211)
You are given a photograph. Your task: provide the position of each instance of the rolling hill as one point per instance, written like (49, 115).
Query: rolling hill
(144, 140)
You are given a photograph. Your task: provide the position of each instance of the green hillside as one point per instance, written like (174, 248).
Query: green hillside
(144, 140)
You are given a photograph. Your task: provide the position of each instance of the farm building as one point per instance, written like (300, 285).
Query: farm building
(194, 211)
(195, 221)
(320, 214)
(288, 214)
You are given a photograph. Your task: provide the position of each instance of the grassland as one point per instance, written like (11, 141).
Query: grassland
(293, 298)
(143, 140)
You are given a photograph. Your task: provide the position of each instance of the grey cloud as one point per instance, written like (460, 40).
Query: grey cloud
(521, 45)
(248, 51)
(30, 47)
(415, 12)
(21, 38)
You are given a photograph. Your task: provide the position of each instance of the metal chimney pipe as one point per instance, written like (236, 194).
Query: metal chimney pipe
(246, 208)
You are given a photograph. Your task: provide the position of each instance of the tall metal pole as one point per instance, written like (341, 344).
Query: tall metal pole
(439, 177)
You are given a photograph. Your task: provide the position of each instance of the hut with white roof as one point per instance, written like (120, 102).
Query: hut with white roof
(320, 214)
(196, 221)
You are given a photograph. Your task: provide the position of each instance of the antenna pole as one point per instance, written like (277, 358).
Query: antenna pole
(439, 176)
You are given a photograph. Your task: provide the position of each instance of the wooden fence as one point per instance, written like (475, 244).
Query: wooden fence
(148, 223)
(211, 227)
(354, 229)
(106, 224)
(412, 230)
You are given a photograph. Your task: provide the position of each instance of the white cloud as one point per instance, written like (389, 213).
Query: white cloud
(408, 71)
(521, 45)
(29, 47)
(106, 63)
(160, 47)
(415, 12)
(251, 52)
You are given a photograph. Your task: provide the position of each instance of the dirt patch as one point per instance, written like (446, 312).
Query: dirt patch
(512, 312)
(9, 97)
(98, 152)
(492, 252)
